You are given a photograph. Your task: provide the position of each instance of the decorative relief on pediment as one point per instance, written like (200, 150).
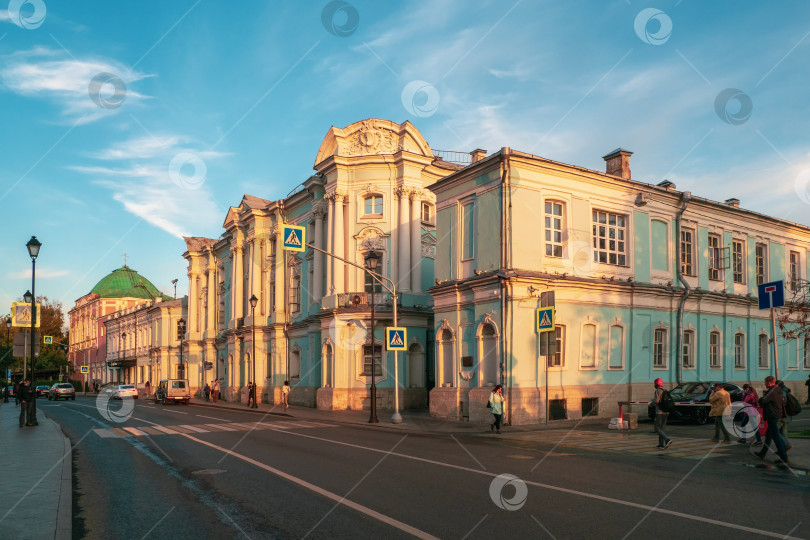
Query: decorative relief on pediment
(372, 139)
(371, 239)
(428, 246)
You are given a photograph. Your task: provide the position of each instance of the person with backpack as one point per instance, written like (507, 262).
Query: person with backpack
(772, 403)
(751, 412)
(792, 408)
(663, 406)
(721, 408)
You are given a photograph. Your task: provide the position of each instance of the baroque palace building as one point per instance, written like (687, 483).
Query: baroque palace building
(646, 282)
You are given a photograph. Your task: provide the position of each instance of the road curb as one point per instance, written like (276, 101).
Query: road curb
(64, 516)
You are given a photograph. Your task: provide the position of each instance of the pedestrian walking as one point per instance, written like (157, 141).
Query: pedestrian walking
(285, 394)
(807, 384)
(721, 408)
(772, 404)
(148, 388)
(751, 399)
(785, 420)
(27, 398)
(215, 390)
(251, 394)
(206, 391)
(660, 415)
(496, 401)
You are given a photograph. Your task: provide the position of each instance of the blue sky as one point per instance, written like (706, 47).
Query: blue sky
(127, 125)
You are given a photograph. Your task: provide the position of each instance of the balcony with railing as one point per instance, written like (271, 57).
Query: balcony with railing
(362, 299)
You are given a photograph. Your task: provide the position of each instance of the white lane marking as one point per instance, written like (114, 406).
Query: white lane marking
(328, 494)
(195, 428)
(135, 431)
(212, 418)
(549, 487)
(164, 429)
(176, 412)
(226, 428)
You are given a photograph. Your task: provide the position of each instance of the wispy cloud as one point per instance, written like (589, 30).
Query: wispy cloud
(42, 273)
(85, 89)
(145, 176)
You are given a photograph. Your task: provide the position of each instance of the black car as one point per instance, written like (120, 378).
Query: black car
(42, 390)
(695, 392)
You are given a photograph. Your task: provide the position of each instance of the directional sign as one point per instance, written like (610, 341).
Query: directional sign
(771, 295)
(208, 365)
(21, 314)
(295, 237)
(85, 369)
(396, 338)
(47, 340)
(544, 320)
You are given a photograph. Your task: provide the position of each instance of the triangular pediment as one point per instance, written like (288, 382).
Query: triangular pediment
(373, 136)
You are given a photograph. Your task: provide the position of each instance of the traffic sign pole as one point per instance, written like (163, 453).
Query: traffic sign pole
(775, 348)
(772, 295)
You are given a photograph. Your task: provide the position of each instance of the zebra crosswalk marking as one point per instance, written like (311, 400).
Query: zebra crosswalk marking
(141, 431)
(196, 429)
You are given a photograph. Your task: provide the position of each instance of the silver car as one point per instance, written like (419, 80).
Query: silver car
(62, 390)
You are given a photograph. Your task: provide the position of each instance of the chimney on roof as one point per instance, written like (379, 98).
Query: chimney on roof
(478, 155)
(617, 163)
(733, 202)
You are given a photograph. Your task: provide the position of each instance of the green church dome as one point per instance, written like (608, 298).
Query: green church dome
(125, 282)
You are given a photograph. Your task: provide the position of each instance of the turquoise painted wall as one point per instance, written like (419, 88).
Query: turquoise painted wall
(729, 272)
(488, 229)
(660, 252)
(641, 246)
(702, 259)
(776, 261)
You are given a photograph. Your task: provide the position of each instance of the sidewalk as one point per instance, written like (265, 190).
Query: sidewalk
(36, 491)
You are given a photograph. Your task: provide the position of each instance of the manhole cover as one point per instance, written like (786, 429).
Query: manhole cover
(209, 471)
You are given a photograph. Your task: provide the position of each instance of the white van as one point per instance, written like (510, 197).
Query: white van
(172, 390)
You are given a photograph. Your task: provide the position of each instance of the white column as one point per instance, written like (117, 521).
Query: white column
(340, 250)
(238, 287)
(404, 241)
(212, 300)
(281, 286)
(192, 302)
(256, 274)
(330, 246)
(317, 271)
(416, 242)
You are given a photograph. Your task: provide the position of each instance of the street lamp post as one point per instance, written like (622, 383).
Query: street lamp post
(120, 361)
(371, 261)
(8, 344)
(33, 246)
(253, 302)
(174, 282)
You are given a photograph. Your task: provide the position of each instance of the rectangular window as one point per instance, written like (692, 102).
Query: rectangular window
(688, 353)
(794, 278)
(761, 263)
(373, 205)
(714, 350)
(427, 213)
(556, 352)
(738, 261)
(687, 245)
(609, 238)
(807, 353)
(739, 351)
(468, 231)
(659, 348)
(554, 228)
(367, 360)
(369, 283)
(715, 257)
(295, 294)
(763, 351)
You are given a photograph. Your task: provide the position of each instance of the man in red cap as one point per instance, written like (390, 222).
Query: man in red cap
(660, 416)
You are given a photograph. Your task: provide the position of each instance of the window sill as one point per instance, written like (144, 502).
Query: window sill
(715, 367)
(371, 216)
(660, 368)
(615, 368)
(428, 223)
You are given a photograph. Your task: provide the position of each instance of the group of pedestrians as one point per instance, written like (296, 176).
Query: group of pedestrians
(771, 405)
(25, 397)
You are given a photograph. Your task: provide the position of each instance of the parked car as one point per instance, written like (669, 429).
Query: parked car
(62, 390)
(696, 392)
(123, 390)
(42, 390)
(172, 390)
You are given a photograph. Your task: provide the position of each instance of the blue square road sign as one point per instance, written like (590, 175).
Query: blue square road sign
(771, 295)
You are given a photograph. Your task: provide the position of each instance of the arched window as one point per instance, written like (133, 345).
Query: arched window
(739, 350)
(295, 364)
(445, 357)
(715, 353)
(764, 350)
(489, 359)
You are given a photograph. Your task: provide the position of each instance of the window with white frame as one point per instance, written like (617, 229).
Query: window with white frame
(688, 352)
(427, 213)
(367, 360)
(687, 252)
(738, 261)
(763, 351)
(588, 348)
(795, 271)
(761, 263)
(739, 350)
(558, 358)
(554, 228)
(295, 293)
(660, 348)
(373, 205)
(715, 257)
(714, 350)
(609, 238)
(467, 231)
(807, 353)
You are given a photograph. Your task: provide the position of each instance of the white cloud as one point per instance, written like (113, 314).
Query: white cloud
(42, 273)
(85, 89)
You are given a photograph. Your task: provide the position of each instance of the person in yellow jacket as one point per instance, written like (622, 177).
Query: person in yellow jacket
(496, 401)
(721, 407)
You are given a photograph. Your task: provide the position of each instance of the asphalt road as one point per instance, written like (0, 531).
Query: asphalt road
(286, 478)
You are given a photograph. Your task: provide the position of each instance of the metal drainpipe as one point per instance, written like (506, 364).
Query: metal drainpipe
(685, 196)
(506, 238)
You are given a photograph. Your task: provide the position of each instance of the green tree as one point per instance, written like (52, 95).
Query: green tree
(52, 356)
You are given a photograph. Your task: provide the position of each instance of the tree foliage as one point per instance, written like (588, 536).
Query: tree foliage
(793, 320)
(53, 356)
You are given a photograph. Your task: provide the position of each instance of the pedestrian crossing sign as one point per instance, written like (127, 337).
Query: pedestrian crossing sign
(47, 340)
(544, 320)
(396, 338)
(294, 237)
(85, 369)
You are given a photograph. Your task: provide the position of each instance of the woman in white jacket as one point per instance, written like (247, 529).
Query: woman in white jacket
(496, 401)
